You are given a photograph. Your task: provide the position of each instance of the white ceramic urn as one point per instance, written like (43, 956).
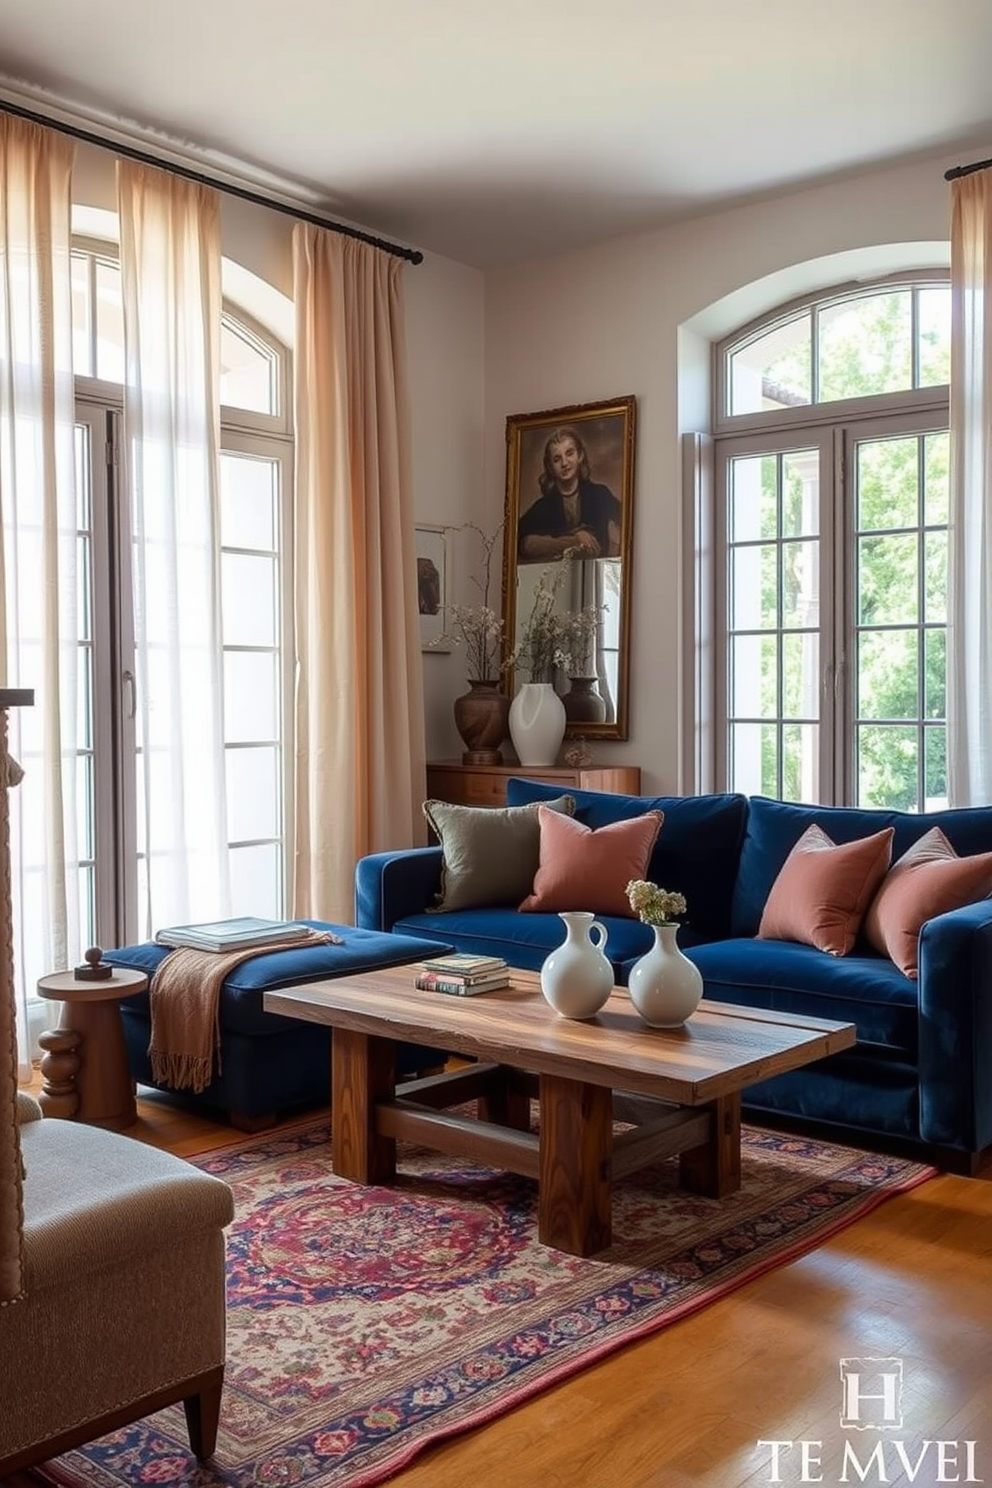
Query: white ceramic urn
(577, 979)
(664, 986)
(537, 723)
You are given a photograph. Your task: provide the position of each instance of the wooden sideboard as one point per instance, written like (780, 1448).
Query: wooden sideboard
(485, 785)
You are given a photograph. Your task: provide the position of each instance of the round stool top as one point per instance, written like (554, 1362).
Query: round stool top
(62, 986)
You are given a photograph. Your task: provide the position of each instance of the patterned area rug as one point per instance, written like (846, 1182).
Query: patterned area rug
(364, 1324)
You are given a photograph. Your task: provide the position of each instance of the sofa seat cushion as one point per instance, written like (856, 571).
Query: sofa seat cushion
(524, 940)
(241, 1008)
(867, 991)
(846, 1092)
(774, 828)
(696, 852)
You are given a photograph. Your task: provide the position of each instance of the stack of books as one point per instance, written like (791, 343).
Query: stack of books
(463, 976)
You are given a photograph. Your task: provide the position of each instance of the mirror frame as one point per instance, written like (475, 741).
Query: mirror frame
(607, 432)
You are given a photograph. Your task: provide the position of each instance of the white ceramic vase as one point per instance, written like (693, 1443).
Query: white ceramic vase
(537, 723)
(577, 979)
(664, 986)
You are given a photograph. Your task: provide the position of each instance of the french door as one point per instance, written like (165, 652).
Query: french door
(110, 871)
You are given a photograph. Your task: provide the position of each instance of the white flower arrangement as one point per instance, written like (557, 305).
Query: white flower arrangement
(580, 631)
(551, 638)
(478, 627)
(652, 905)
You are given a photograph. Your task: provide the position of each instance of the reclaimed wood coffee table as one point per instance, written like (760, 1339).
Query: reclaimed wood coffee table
(691, 1077)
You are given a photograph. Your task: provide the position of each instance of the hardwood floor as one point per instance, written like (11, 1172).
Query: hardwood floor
(688, 1407)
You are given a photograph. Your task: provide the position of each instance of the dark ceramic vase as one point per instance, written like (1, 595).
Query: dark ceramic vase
(481, 719)
(583, 703)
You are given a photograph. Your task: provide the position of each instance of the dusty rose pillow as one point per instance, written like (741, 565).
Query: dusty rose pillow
(583, 868)
(929, 879)
(823, 890)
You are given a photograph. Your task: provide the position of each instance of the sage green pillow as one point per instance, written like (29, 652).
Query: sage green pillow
(489, 856)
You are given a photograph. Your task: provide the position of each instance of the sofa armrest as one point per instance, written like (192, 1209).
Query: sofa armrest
(391, 885)
(955, 1028)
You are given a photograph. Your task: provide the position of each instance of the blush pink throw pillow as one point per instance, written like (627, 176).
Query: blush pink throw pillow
(929, 879)
(582, 868)
(823, 890)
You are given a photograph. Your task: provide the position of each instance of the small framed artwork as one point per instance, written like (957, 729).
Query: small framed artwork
(432, 585)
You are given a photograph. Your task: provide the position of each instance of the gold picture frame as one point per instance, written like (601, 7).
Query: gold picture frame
(570, 489)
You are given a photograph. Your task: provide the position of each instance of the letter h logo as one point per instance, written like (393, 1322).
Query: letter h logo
(871, 1392)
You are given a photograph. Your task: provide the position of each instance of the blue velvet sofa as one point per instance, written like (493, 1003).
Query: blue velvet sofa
(921, 1071)
(270, 1064)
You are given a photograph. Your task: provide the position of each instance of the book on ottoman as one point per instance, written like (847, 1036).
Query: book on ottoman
(232, 935)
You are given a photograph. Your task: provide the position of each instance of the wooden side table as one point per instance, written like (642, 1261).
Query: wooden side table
(85, 1066)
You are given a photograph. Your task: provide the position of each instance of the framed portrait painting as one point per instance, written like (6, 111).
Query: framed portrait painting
(432, 585)
(569, 499)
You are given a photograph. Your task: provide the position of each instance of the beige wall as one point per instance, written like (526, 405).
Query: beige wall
(617, 319)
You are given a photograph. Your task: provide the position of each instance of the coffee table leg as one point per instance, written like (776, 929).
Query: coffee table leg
(574, 1196)
(715, 1169)
(363, 1072)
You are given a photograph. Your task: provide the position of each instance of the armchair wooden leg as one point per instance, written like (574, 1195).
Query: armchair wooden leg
(203, 1415)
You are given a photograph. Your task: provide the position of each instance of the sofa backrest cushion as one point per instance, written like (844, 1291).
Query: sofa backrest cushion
(585, 867)
(774, 828)
(696, 853)
(824, 888)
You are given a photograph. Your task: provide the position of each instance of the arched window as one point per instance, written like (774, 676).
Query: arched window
(830, 548)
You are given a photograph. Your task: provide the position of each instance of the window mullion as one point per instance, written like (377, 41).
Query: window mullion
(839, 705)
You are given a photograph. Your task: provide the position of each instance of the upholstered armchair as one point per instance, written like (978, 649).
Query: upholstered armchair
(112, 1300)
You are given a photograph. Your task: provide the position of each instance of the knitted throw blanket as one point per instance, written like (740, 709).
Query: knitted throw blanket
(184, 999)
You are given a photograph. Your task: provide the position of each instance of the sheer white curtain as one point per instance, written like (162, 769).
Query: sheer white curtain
(969, 640)
(39, 556)
(359, 708)
(170, 271)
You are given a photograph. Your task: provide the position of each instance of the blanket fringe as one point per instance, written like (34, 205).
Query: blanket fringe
(181, 1071)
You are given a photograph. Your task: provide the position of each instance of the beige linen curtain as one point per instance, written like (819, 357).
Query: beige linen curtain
(359, 709)
(38, 578)
(11, 1237)
(969, 639)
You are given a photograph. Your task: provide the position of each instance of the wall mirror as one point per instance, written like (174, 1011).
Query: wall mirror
(567, 558)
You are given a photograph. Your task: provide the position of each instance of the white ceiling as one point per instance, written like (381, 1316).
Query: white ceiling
(496, 130)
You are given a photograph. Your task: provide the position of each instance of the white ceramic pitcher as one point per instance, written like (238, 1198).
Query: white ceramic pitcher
(576, 979)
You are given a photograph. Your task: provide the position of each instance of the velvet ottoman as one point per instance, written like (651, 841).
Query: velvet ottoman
(270, 1064)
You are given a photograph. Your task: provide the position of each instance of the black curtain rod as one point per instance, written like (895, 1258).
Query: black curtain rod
(257, 199)
(966, 170)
